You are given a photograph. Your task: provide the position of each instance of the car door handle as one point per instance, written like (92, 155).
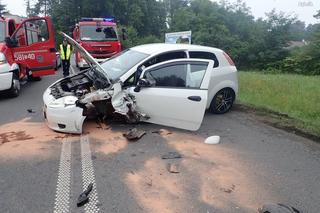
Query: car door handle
(195, 98)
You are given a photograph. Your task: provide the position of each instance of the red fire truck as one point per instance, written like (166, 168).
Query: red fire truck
(99, 37)
(27, 50)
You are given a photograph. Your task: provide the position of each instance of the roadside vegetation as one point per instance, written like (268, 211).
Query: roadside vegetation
(295, 96)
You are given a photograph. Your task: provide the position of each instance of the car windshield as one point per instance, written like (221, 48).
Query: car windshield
(2, 31)
(122, 63)
(98, 33)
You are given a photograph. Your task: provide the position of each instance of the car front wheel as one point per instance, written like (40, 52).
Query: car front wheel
(15, 86)
(222, 102)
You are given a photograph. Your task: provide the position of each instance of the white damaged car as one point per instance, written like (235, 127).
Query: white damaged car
(166, 84)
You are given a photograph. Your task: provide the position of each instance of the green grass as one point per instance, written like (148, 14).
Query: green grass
(295, 95)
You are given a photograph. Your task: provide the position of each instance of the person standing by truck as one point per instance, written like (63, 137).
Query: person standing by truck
(65, 53)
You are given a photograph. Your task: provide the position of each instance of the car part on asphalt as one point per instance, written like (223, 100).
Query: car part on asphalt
(31, 111)
(277, 208)
(171, 155)
(212, 140)
(173, 168)
(134, 134)
(83, 197)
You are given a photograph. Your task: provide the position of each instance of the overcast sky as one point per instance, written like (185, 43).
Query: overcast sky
(305, 9)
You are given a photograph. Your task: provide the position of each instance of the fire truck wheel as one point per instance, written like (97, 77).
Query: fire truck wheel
(15, 87)
(31, 78)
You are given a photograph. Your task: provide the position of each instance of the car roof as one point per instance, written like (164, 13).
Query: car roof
(163, 47)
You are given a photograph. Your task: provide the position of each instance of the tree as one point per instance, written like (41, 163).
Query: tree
(297, 31)
(2, 8)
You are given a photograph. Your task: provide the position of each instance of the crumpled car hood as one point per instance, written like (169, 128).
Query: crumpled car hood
(85, 55)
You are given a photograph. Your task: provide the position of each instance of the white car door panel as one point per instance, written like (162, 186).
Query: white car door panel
(172, 107)
(176, 106)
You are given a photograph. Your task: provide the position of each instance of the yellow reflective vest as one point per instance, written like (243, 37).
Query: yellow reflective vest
(62, 56)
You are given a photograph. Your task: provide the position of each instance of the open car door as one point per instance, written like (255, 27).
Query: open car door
(174, 93)
(33, 46)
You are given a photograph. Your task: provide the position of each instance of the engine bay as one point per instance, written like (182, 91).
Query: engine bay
(79, 85)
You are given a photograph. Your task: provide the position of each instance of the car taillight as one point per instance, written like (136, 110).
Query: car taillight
(228, 59)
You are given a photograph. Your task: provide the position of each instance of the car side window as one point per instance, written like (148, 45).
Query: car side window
(37, 31)
(165, 57)
(182, 75)
(204, 55)
(20, 37)
(32, 31)
(11, 27)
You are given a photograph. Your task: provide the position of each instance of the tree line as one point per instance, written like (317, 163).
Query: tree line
(261, 44)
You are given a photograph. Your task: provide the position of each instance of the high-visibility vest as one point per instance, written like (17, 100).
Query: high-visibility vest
(62, 56)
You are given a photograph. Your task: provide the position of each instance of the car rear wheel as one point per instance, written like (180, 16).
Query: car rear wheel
(14, 91)
(222, 102)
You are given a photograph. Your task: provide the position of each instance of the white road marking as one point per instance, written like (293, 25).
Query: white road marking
(62, 199)
(88, 175)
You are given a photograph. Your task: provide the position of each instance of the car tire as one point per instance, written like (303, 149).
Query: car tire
(14, 91)
(222, 102)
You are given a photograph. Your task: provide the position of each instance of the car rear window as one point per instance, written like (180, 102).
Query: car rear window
(204, 55)
(165, 57)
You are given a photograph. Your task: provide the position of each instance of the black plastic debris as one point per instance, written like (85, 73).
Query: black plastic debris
(171, 155)
(83, 197)
(31, 111)
(277, 208)
(134, 134)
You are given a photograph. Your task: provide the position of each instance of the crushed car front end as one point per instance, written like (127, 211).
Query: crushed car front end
(61, 104)
(68, 101)
(62, 114)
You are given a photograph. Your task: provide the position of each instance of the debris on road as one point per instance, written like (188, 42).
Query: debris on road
(277, 208)
(228, 190)
(83, 197)
(134, 134)
(173, 168)
(171, 155)
(212, 140)
(149, 181)
(162, 132)
(31, 111)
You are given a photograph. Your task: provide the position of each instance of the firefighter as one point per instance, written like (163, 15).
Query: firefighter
(65, 53)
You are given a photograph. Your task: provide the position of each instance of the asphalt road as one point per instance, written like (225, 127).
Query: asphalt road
(44, 171)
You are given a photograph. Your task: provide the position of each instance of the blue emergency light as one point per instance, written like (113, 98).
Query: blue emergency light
(109, 20)
(99, 19)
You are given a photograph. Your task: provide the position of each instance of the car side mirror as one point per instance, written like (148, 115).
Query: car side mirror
(142, 83)
(9, 42)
